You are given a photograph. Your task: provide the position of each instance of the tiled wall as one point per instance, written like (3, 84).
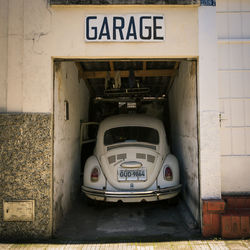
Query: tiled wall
(233, 27)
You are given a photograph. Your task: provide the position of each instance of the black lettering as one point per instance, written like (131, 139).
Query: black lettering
(119, 28)
(155, 27)
(131, 29)
(148, 37)
(92, 28)
(104, 29)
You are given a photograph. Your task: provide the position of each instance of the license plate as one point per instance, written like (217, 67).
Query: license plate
(132, 175)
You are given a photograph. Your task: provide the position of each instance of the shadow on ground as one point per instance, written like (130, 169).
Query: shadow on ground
(137, 222)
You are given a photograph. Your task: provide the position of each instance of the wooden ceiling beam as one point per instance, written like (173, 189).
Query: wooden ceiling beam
(125, 73)
(123, 60)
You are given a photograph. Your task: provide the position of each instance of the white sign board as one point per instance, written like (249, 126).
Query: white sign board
(125, 28)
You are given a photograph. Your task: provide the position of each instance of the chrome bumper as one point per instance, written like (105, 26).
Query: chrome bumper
(155, 194)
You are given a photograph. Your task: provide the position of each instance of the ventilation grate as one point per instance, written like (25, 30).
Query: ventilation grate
(150, 158)
(111, 159)
(140, 156)
(121, 156)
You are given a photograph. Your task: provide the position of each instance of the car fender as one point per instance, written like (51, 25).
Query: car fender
(172, 162)
(90, 164)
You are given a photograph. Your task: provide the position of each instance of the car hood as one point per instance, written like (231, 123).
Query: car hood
(131, 157)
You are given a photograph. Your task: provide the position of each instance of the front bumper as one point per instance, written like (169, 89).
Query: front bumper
(132, 196)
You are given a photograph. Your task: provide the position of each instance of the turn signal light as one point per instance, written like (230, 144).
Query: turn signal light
(168, 174)
(95, 175)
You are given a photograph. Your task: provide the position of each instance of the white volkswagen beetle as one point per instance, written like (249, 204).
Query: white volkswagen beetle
(131, 162)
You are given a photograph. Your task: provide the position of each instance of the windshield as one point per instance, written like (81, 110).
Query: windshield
(131, 134)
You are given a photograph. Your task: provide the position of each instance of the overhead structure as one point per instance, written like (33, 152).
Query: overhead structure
(146, 80)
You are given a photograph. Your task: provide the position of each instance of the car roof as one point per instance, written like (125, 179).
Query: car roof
(131, 120)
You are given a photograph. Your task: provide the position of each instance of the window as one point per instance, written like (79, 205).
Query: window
(131, 134)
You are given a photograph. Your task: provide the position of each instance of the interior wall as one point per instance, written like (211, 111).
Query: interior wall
(208, 106)
(184, 138)
(67, 136)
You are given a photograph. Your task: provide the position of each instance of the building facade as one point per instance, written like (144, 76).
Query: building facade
(41, 44)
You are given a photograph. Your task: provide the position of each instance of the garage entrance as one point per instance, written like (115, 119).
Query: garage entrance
(86, 92)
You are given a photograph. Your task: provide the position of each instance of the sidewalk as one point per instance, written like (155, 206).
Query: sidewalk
(204, 244)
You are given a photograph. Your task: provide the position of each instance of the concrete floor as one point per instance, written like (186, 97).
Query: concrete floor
(127, 222)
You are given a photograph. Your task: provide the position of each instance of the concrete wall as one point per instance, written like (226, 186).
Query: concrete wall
(32, 34)
(11, 50)
(4, 5)
(67, 136)
(36, 33)
(184, 132)
(208, 106)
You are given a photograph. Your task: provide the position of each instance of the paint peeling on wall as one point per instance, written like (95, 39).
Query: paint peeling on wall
(183, 116)
(67, 136)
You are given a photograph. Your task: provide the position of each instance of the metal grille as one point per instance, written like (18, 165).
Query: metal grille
(111, 159)
(150, 158)
(121, 156)
(140, 156)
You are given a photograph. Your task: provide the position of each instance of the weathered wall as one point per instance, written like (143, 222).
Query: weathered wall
(184, 132)
(4, 5)
(36, 33)
(11, 52)
(26, 172)
(208, 106)
(32, 34)
(67, 136)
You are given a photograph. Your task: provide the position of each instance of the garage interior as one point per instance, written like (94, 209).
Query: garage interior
(87, 91)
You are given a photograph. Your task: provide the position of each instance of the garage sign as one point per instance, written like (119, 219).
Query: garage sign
(125, 28)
